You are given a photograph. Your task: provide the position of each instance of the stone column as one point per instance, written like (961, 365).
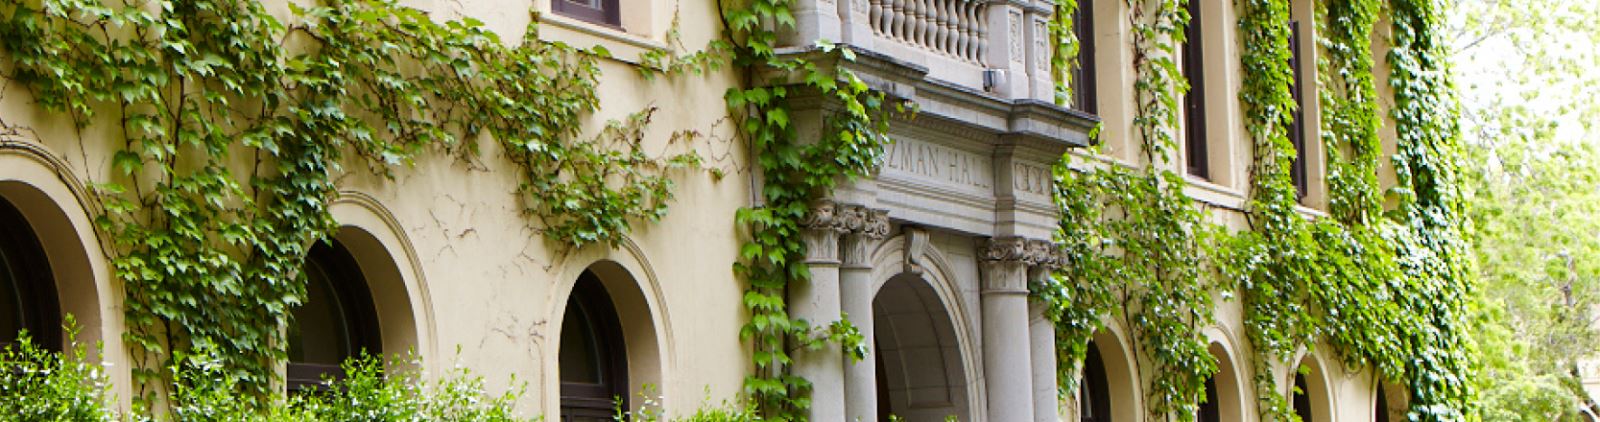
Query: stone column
(855, 286)
(1042, 337)
(817, 301)
(1006, 360)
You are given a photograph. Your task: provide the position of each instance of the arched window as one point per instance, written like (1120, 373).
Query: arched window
(1211, 409)
(337, 320)
(594, 358)
(27, 289)
(1302, 399)
(1094, 398)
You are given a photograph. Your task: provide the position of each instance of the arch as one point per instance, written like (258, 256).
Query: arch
(337, 321)
(61, 212)
(1121, 373)
(1314, 389)
(888, 262)
(393, 273)
(593, 354)
(636, 296)
(1229, 382)
(915, 339)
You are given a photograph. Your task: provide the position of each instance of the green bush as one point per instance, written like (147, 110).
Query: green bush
(37, 384)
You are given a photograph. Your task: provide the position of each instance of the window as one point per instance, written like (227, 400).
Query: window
(337, 320)
(1211, 410)
(1297, 129)
(1094, 402)
(593, 358)
(1380, 410)
(1302, 400)
(602, 12)
(27, 289)
(1083, 80)
(1194, 112)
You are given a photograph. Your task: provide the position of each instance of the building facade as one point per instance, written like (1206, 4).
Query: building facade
(931, 257)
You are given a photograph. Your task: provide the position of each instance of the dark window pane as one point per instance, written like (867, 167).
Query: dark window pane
(1094, 400)
(337, 321)
(580, 356)
(594, 360)
(1194, 112)
(1302, 401)
(1083, 76)
(27, 288)
(603, 12)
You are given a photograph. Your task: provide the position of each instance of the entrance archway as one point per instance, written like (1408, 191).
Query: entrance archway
(920, 363)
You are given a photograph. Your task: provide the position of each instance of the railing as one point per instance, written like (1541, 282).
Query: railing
(996, 46)
(954, 28)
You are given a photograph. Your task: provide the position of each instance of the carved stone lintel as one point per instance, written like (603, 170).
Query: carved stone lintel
(916, 243)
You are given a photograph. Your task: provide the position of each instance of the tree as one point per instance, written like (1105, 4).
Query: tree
(1529, 102)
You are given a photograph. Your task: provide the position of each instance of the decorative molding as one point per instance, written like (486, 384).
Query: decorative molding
(916, 241)
(1029, 252)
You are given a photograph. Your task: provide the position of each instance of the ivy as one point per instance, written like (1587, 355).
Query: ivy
(233, 124)
(1130, 238)
(796, 173)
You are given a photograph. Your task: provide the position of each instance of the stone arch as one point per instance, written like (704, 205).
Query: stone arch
(1318, 387)
(937, 292)
(61, 212)
(637, 297)
(393, 274)
(1231, 382)
(1122, 372)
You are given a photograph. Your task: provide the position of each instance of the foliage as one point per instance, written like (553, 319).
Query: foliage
(1530, 171)
(1065, 55)
(1382, 289)
(796, 173)
(59, 386)
(1131, 238)
(232, 126)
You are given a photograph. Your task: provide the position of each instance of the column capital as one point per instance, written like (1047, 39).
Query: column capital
(821, 228)
(1008, 261)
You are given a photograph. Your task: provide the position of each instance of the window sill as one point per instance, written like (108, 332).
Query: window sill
(624, 46)
(1216, 195)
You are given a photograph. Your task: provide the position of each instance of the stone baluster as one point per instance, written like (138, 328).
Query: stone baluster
(980, 15)
(875, 15)
(897, 27)
(967, 44)
(817, 301)
(951, 18)
(935, 25)
(867, 228)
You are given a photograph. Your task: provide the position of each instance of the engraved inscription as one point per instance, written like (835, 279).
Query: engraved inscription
(1030, 178)
(940, 163)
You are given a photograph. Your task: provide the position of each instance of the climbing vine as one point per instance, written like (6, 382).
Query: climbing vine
(1130, 238)
(231, 126)
(1383, 288)
(796, 173)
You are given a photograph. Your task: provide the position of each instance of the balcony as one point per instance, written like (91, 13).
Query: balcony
(999, 48)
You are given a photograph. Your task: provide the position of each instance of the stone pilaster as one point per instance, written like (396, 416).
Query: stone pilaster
(867, 228)
(1008, 47)
(817, 301)
(1041, 82)
(855, 22)
(813, 20)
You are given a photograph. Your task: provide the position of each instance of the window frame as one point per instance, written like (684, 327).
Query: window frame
(1093, 377)
(596, 400)
(363, 330)
(1197, 160)
(1085, 97)
(609, 14)
(33, 278)
(1298, 171)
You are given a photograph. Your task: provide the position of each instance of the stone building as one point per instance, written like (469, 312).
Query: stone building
(930, 257)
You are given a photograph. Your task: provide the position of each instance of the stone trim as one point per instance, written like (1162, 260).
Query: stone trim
(1029, 252)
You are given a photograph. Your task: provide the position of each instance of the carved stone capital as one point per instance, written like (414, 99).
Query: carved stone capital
(1029, 252)
(821, 229)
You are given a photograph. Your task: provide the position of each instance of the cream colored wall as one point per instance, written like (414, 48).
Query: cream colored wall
(483, 290)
